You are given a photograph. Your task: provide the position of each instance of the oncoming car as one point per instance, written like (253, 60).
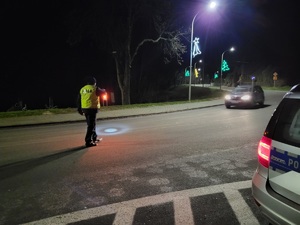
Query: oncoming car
(245, 96)
(276, 181)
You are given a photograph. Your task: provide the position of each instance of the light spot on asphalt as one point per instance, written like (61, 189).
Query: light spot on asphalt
(166, 189)
(187, 169)
(248, 174)
(170, 166)
(241, 165)
(159, 181)
(228, 166)
(215, 181)
(116, 192)
(231, 172)
(133, 179)
(106, 129)
(198, 174)
(110, 130)
(126, 177)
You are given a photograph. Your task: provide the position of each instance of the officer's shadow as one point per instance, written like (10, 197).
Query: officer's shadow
(16, 168)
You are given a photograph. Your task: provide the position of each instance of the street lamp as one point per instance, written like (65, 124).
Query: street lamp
(212, 5)
(222, 56)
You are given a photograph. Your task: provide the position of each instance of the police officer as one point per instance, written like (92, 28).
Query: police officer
(88, 105)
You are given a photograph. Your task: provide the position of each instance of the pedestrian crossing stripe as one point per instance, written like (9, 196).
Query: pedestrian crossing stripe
(125, 211)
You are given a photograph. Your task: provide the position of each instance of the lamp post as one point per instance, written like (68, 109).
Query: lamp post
(191, 56)
(211, 5)
(222, 56)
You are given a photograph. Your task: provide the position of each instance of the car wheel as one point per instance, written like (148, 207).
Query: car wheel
(227, 106)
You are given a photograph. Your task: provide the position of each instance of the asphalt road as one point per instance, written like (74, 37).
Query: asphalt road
(189, 167)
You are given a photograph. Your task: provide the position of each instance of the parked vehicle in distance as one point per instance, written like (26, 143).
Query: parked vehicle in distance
(245, 96)
(276, 181)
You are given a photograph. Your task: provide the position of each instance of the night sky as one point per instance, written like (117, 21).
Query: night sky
(38, 62)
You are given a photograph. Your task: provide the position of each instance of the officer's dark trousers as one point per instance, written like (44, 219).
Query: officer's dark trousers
(91, 134)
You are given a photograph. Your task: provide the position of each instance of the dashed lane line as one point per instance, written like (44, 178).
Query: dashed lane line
(125, 211)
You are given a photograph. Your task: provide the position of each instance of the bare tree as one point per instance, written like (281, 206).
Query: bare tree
(126, 26)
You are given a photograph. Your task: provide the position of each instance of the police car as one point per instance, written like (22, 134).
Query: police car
(276, 181)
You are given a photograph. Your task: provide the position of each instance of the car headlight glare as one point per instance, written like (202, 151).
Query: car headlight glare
(227, 97)
(246, 97)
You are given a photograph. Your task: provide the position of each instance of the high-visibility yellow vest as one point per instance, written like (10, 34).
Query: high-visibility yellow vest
(89, 98)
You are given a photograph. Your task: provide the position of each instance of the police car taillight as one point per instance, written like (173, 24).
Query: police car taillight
(263, 151)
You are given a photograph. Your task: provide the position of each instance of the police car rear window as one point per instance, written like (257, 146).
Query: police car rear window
(287, 129)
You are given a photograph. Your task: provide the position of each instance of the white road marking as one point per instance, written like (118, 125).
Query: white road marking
(183, 211)
(182, 208)
(240, 208)
(124, 216)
